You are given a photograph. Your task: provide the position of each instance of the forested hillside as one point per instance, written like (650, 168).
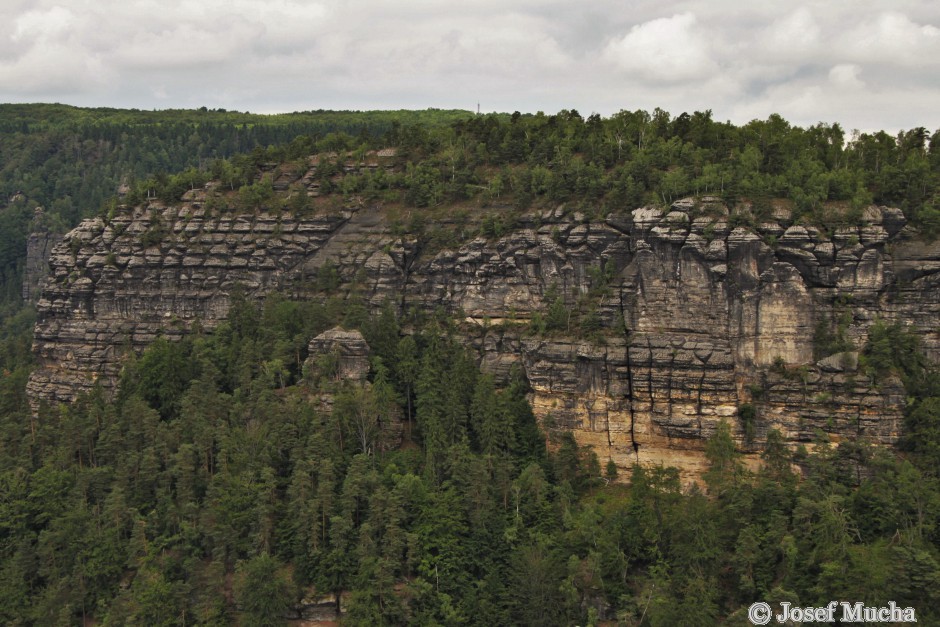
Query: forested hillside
(236, 478)
(72, 161)
(217, 488)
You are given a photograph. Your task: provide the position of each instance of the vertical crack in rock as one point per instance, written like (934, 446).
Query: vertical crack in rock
(698, 400)
(407, 262)
(629, 393)
(649, 380)
(672, 365)
(610, 442)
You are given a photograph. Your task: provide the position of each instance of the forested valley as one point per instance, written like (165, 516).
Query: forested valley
(233, 478)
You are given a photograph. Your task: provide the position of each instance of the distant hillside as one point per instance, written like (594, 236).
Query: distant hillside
(71, 160)
(74, 162)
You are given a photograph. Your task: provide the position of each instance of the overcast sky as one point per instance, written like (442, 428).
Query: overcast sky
(867, 64)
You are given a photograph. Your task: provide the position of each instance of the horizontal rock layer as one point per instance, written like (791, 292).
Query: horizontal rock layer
(697, 317)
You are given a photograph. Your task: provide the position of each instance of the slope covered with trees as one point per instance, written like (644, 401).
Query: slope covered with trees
(218, 488)
(224, 483)
(73, 161)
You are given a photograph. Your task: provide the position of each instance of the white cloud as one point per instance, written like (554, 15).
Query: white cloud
(793, 35)
(866, 63)
(185, 45)
(845, 76)
(53, 68)
(894, 38)
(665, 50)
(42, 25)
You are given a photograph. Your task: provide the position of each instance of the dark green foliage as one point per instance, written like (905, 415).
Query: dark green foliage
(490, 421)
(214, 490)
(263, 591)
(610, 470)
(140, 517)
(162, 375)
(747, 414)
(891, 348)
(724, 461)
(828, 340)
(928, 218)
(558, 316)
(327, 277)
(922, 435)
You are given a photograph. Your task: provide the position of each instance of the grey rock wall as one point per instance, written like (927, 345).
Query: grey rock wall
(699, 317)
(38, 250)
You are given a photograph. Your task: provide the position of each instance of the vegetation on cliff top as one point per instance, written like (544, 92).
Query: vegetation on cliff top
(72, 161)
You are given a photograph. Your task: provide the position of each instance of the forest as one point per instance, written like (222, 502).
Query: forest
(230, 478)
(214, 489)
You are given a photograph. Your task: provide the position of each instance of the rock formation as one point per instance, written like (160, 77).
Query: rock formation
(696, 317)
(347, 355)
(39, 246)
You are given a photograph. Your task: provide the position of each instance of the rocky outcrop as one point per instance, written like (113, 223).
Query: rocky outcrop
(38, 250)
(338, 360)
(696, 317)
(114, 287)
(346, 352)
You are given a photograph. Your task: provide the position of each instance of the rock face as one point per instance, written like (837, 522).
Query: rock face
(347, 352)
(697, 318)
(38, 250)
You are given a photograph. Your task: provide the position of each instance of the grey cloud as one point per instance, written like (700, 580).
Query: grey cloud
(867, 64)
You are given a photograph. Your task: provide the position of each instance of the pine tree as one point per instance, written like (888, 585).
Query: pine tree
(490, 422)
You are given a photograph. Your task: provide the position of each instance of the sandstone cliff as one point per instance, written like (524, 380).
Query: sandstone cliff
(38, 250)
(696, 317)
